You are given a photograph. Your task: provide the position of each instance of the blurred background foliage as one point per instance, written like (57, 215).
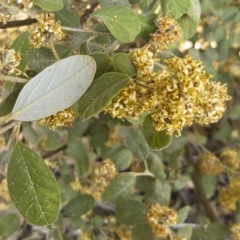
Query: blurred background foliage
(177, 179)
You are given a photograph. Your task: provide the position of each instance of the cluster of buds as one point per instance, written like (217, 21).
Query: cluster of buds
(59, 119)
(235, 229)
(229, 195)
(159, 218)
(167, 33)
(210, 164)
(41, 31)
(8, 8)
(9, 60)
(103, 176)
(230, 159)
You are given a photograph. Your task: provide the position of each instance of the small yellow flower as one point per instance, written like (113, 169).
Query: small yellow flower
(9, 60)
(229, 158)
(4, 194)
(209, 164)
(159, 217)
(59, 119)
(40, 32)
(235, 229)
(76, 185)
(167, 33)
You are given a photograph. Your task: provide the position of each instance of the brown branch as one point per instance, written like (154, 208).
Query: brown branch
(198, 188)
(18, 23)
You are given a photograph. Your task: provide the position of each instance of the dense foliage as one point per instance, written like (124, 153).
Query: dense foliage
(120, 120)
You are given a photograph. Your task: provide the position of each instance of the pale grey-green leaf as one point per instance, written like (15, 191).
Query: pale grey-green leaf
(54, 89)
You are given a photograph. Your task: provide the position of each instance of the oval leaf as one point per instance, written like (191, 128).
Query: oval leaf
(122, 22)
(122, 159)
(9, 224)
(135, 142)
(78, 206)
(175, 8)
(142, 232)
(50, 5)
(100, 93)
(32, 187)
(119, 189)
(123, 63)
(130, 212)
(54, 89)
(156, 140)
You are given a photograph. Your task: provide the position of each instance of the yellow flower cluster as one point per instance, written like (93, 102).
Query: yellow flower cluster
(229, 158)
(230, 194)
(43, 29)
(9, 60)
(4, 194)
(59, 119)
(209, 164)
(177, 96)
(113, 137)
(235, 229)
(159, 217)
(168, 32)
(103, 176)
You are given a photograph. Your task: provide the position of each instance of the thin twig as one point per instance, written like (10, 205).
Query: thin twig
(112, 47)
(53, 49)
(5, 128)
(13, 79)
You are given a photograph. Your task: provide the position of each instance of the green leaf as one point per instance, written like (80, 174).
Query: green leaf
(190, 21)
(137, 120)
(40, 58)
(185, 232)
(32, 187)
(119, 189)
(77, 151)
(7, 104)
(182, 214)
(135, 142)
(51, 141)
(78, 206)
(144, 183)
(130, 212)
(142, 232)
(122, 159)
(147, 26)
(100, 93)
(21, 44)
(208, 183)
(9, 224)
(55, 88)
(30, 134)
(175, 8)
(50, 5)
(5, 156)
(218, 231)
(107, 3)
(181, 182)
(68, 18)
(103, 62)
(123, 63)
(156, 166)
(156, 140)
(159, 194)
(122, 22)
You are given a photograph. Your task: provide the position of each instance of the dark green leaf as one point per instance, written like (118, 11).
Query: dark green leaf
(77, 151)
(123, 63)
(78, 206)
(135, 142)
(50, 5)
(103, 62)
(51, 141)
(218, 231)
(142, 232)
(119, 189)
(9, 224)
(32, 187)
(122, 22)
(144, 183)
(130, 212)
(21, 44)
(6, 106)
(156, 140)
(68, 18)
(147, 26)
(30, 134)
(175, 8)
(5, 156)
(100, 93)
(122, 159)
(137, 120)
